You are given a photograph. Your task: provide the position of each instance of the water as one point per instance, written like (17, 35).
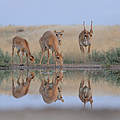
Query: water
(58, 89)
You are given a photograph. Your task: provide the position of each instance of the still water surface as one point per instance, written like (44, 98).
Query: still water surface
(21, 89)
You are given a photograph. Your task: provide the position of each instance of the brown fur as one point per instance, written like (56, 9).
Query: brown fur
(59, 35)
(85, 39)
(85, 93)
(22, 46)
(23, 87)
(51, 92)
(48, 42)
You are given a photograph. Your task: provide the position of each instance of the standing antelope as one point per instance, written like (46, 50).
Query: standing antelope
(51, 92)
(23, 87)
(23, 47)
(85, 38)
(85, 93)
(59, 36)
(49, 41)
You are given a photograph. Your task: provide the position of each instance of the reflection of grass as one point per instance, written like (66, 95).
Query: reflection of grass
(4, 75)
(108, 75)
(113, 76)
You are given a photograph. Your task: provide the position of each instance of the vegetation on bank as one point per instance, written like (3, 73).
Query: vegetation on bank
(111, 57)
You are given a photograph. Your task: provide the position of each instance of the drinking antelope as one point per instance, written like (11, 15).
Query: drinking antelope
(50, 91)
(23, 47)
(49, 41)
(59, 36)
(85, 38)
(22, 87)
(85, 93)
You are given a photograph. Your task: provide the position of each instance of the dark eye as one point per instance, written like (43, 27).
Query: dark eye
(57, 76)
(57, 57)
(90, 35)
(61, 34)
(56, 34)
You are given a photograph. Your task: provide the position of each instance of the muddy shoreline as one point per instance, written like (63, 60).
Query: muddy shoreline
(64, 67)
(58, 114)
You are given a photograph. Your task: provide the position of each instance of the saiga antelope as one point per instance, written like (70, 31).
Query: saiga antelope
(85, 38)
(22, 87)
(49, 41)
(85, 93)
(50, 91)
(23, 47)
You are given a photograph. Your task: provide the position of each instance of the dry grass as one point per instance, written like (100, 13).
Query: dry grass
(105, 38)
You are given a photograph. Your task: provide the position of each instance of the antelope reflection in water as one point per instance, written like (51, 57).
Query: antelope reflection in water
(51, 91)
(21, 89)
(85, 92)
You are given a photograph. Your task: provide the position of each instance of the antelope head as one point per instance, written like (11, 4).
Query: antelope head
(87, 37)
(59, 97)
(32, 59)
(59, 36)
(59, 58)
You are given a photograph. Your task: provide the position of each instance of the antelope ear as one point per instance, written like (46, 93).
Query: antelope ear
(55, 31)
(62, 31)
(91, 31)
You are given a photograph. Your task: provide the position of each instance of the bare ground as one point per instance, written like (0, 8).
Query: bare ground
(60, 114)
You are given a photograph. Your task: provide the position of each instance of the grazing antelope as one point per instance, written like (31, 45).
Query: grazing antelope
(59, 36)
(85, 38)
(23, 47)
(85, 93)
(49, 41)
(22, 88)
(51, 92)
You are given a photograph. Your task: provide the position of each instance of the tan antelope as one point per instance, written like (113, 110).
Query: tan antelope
(22, 87)
(49, 41)
(23, 47)
(85, 38)
(85, 93)
(50, 91)
(59, 35)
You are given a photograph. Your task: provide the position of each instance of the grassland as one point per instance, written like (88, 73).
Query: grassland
(105, 38)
